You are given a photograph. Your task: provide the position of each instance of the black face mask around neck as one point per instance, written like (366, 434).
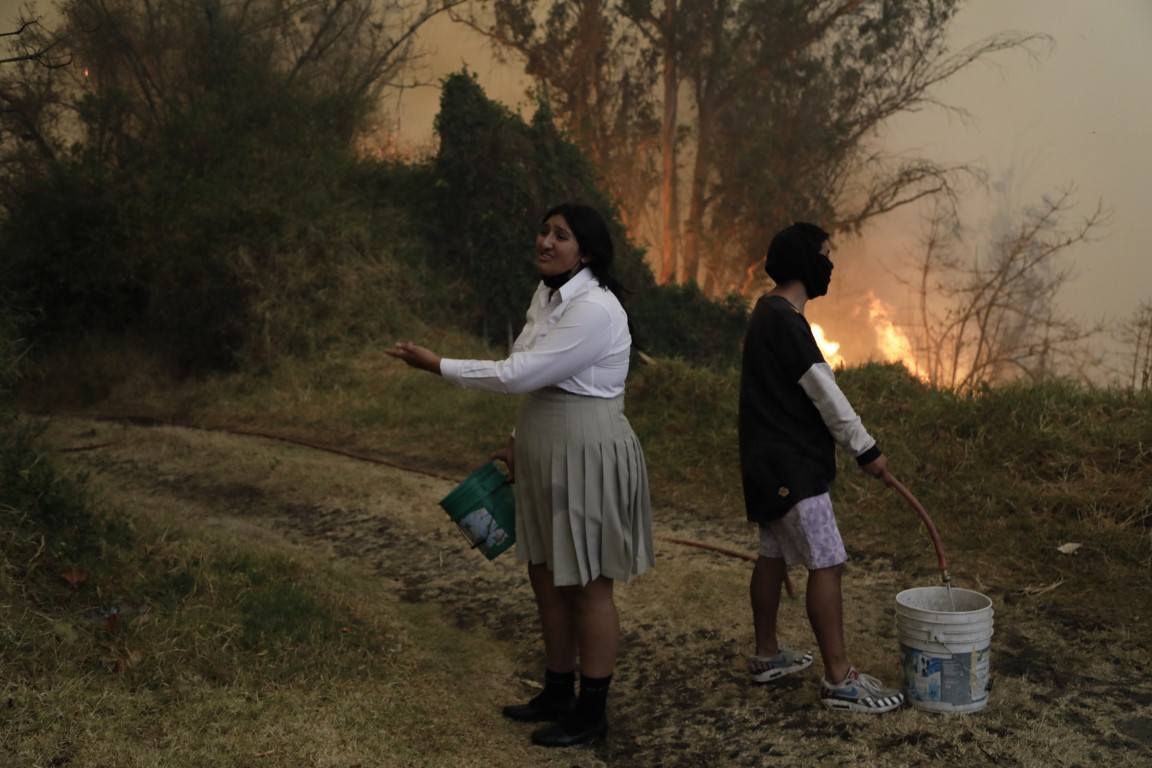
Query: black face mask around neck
(555, 281)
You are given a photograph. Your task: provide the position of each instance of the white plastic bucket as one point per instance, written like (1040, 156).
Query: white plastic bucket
(945, 647)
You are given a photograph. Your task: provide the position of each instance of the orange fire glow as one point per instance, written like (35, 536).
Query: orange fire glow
(893, 342)
(831, 349)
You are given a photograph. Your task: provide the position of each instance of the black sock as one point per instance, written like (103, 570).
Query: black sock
(593, 701)
(558, 686)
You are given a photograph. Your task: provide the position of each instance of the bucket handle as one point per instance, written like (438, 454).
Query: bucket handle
(931, 636)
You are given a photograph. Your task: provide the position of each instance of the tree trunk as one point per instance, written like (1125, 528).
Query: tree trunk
(694, 223)
(668, 203)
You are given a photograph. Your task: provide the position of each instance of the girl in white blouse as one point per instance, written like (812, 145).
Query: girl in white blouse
(583, 515)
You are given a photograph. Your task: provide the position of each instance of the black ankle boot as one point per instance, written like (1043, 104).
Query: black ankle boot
(586, 724)
(556, 700)
(539, 709)
(570, 732)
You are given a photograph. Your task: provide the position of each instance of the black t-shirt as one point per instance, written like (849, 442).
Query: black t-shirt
(787, 453)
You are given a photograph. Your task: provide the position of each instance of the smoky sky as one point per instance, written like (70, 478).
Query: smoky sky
(1072, 113)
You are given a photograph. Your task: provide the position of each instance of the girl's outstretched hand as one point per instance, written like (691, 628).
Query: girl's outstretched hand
(415, 356)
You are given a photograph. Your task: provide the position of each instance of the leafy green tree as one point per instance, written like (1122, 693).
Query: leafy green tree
(781, 103)
(185, 179)
(603, 100)
(495, 175)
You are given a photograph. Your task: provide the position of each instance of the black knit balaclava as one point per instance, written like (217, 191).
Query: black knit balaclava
(794, 254)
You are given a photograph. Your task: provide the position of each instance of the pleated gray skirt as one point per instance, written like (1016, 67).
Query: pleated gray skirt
(582, 502)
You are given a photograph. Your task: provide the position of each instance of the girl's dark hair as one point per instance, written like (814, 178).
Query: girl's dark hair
(594, 238)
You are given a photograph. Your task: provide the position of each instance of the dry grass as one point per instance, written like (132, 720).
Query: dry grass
(264, 649)
(441, 637)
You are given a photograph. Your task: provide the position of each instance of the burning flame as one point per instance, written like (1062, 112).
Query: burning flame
(893, 343)
(830, 349)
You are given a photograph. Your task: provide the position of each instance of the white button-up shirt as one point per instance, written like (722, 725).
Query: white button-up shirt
(575, 338)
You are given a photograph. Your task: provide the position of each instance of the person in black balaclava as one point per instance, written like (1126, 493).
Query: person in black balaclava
(796, 253)
(792, 416)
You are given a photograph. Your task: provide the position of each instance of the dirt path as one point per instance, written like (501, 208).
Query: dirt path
(1068, 692)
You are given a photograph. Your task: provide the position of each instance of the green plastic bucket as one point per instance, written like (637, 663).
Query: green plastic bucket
(484, 508)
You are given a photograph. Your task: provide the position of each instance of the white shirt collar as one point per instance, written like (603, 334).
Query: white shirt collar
(575, 284)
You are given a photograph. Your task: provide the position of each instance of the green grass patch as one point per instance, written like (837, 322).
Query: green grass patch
(1051, 453)
(185, 649)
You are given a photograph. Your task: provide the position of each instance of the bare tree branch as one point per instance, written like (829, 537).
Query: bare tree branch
(40, 54)
(995, 319)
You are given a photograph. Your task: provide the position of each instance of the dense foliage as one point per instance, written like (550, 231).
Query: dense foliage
(680, 321)
(191, 183)
(495, 175)
(231, 217)
(48, 520)
(719, 121)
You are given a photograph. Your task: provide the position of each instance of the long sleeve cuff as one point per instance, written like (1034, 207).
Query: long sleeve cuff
(450, 369)
(869, 455)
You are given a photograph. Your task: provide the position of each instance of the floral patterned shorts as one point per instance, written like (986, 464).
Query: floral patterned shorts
(806, 534)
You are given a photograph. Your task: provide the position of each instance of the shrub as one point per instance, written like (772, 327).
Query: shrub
(49, 519)
(216, 218)
(679, 321)
(495, 176)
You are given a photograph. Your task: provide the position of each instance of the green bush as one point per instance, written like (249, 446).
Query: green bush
(678, 321)
(495, 175)
(218, 219)
(51, 520)
(48, 519)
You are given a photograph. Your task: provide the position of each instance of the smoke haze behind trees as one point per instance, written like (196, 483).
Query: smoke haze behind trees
(1008, 98)
(1072, 116)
